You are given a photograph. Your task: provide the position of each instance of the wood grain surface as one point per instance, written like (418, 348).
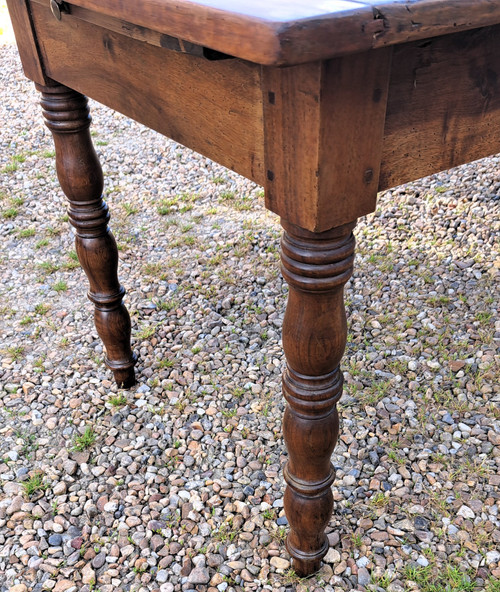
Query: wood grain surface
(66, 114)
(213, 107)
(330, 115)
(316, 267)
(443, 102)
(283, 32)
(444, 105)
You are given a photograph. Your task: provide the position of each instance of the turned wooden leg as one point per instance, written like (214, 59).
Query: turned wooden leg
(316, 267)
(67, 116)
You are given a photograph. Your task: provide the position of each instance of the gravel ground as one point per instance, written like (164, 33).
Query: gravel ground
(176, 483)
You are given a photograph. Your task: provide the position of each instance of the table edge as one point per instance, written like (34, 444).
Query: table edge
(285, 43)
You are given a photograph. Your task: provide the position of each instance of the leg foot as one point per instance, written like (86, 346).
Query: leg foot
(79, 172)
(316, 267)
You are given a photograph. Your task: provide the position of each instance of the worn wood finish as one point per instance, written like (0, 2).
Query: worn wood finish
(79, 172)
(286, 32)
(390, 22)
(335, 110)
(170, 92)
(137, 32)
(316, 267)
(331, 117)
(443, 106)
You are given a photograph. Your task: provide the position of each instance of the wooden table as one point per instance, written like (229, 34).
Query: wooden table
(324, 102)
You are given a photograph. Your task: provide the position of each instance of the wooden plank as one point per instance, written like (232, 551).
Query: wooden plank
(292, 120)
(28, 50)
(283, 32)
(324, 125)
(212, 107)
(382, 24)
(444, 105)
(352, 129)
(410, 20)
(138, 32)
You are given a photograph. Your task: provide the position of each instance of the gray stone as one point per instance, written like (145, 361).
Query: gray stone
(15, 505)
(364, 577)
(111, 507)
(55, 540)
(161, 576)
(99, 560)
(466, 512)
(199, 575)
(70, 467)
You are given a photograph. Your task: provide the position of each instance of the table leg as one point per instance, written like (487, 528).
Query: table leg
(79, 172)
(316, 267)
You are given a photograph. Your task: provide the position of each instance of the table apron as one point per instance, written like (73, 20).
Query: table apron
(213, 107)
(441, 108)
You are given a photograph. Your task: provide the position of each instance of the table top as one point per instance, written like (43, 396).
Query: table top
(286, 32)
